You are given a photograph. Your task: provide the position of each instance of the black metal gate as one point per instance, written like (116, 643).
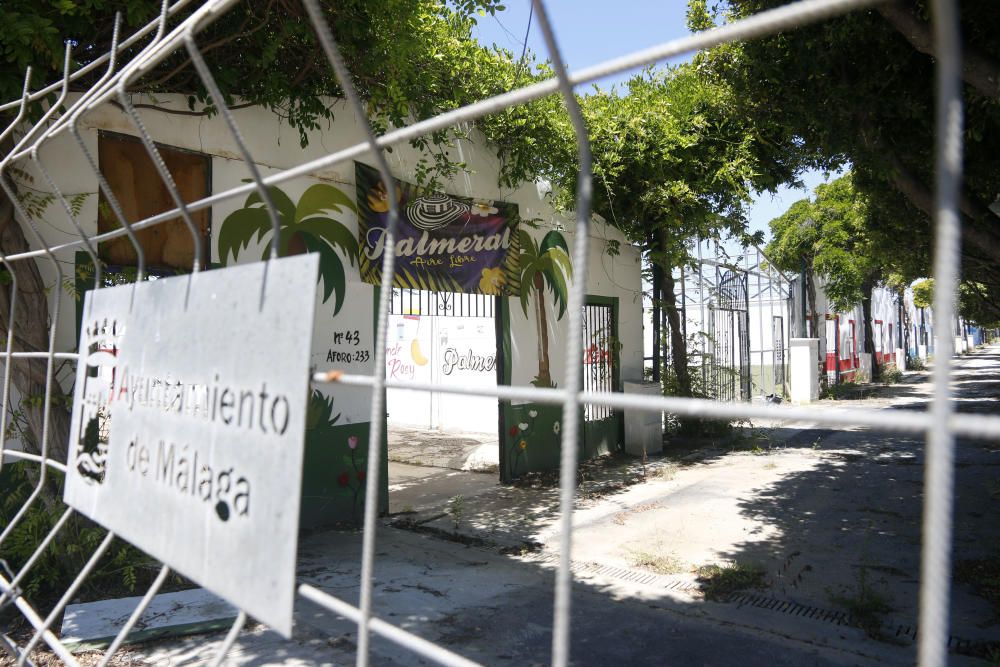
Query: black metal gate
(406, 301)
(602, 426)
(598, 375)
(729, 322)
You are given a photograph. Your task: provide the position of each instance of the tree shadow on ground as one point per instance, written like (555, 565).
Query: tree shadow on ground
(847, 524)
(847, 532)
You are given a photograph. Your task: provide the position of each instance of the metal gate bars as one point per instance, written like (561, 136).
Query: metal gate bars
(729, 321)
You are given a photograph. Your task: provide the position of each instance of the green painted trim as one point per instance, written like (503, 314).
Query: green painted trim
(383, 489)
(503, 324)
(542, 440)
(333, 476)
(504, 413)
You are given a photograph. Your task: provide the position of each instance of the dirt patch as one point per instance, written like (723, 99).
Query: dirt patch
(983, 575)
(46, 658)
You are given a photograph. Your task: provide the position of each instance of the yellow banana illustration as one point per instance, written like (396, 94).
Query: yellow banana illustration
(418, 358)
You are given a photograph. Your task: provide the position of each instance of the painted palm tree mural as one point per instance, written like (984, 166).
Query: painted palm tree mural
(310, 225)
(544, 265)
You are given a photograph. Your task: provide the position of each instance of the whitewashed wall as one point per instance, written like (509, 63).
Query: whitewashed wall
(274, 145)
(450, 351)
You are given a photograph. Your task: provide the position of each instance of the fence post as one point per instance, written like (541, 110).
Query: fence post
(804, 372)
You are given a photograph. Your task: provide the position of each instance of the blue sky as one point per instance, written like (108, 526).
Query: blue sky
(590, 31)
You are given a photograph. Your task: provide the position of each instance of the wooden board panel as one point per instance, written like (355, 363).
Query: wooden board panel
(140, 191)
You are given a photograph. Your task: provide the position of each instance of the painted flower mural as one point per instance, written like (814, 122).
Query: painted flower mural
(313, 224)
(492, 281)
(354, 482)
(483, 207)
(378, 198)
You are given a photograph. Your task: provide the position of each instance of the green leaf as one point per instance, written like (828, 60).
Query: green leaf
(238, 230)
(331, 271)
(553, 239)
(528, 245)
(322, 197)
(527, 286)
(333, 233)
(284, 204)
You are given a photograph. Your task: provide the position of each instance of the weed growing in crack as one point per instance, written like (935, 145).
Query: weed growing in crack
(865, 606)
(664, 473)
(720, 581)
(455, 509)
(655, 562)
(983, 576)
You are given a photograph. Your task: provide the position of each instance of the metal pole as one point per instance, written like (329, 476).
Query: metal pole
(803, 330)
(701, 308)
(760, 325)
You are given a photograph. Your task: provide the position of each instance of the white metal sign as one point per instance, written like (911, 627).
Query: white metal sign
(188, 424)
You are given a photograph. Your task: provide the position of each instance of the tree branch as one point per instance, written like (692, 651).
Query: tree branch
(212, 46)
(978, 69)
(921, 197)
(179, 112)
(982, 239)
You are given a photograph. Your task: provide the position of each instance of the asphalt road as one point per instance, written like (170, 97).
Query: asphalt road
(829, 516)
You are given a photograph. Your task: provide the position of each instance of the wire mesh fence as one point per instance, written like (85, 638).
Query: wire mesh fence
(940, 424)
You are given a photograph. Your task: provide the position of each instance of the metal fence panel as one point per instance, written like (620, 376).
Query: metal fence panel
(940, 424)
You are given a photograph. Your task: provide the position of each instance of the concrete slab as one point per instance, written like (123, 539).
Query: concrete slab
(478, 452)
(421, 488)
(828, 514)
(95, 624)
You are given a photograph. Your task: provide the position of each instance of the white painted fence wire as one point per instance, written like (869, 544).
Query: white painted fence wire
(940, 424)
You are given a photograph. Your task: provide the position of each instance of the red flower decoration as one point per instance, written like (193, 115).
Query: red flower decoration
(361, 475)
(344, 479)
(514, 431)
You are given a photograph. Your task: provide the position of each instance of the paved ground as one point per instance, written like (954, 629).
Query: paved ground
(479, 452)
(830, 517)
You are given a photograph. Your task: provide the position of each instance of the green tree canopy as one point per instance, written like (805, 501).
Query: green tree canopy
(673, 160)
(838, 237)
(858, 91)
(971, 302)
(832, 232)
(409, 58)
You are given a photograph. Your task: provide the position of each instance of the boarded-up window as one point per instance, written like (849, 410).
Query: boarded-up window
(140, 191)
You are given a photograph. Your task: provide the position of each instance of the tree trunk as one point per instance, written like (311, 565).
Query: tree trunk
(544, 375)
(678, 346)
(31, 334)
(812, 317)
(906, 325)
(866, 314)
(657, 342)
